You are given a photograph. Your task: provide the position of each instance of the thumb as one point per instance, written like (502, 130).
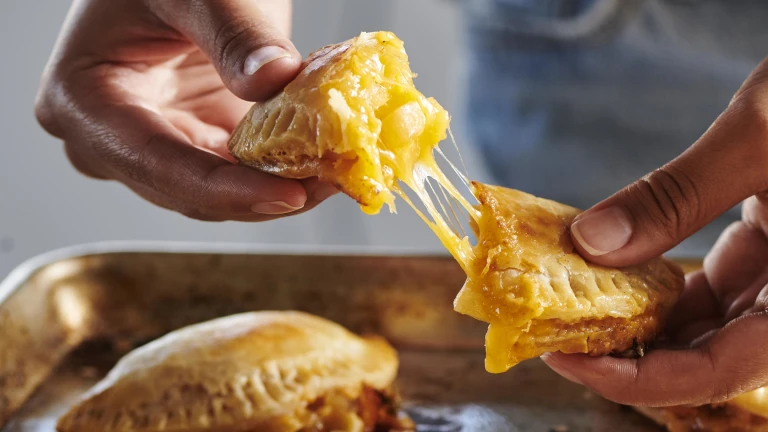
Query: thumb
(726, 165)
(246, 41)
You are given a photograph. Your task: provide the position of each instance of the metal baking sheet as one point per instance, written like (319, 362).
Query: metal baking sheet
(67, 317)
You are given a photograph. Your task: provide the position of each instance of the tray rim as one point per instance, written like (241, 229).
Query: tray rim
(21, 273)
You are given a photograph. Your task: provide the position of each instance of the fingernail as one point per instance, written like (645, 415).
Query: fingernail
(263, 56)
(603, 231)
(551, 360)
(274, 208)
(324, 191)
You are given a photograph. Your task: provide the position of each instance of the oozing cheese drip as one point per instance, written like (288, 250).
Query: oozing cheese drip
(401, 132)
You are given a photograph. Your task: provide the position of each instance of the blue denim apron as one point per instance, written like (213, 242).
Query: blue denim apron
(574, 99)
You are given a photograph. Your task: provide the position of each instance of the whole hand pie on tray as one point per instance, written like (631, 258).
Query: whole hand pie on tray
(354, 118)
(260, 371)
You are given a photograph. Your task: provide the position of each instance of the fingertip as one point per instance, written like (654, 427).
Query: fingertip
(583, 367)
(253, 187)
(697, 302)
(559, 363)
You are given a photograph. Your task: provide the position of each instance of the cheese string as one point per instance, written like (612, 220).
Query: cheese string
(447, 226)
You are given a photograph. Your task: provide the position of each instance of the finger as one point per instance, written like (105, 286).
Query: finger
(724, 167)
(754, 212)
(761, 303)
(202, 135)
(746, 301)
(253, 56)
(696, 303)
(734, 361)
(139, 147)
(205, 94)
(208, 215)
(735, 262)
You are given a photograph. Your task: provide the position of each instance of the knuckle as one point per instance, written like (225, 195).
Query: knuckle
(144, 164)
(231, 40)
(124, 160)
(169, 171)
(721, 392)
(46, 107)
(716, 390)
(165, 9)
(236, 38)
(671, 200)
(761, 302)
(45, 117)
(77, 160)
(139, 163)
(721, 388)
(749, 114)
(127, 163)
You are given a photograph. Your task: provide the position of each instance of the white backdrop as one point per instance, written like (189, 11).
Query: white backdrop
(45, 204)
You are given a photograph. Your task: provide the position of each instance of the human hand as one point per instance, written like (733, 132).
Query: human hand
(721, 319)
(148, 92)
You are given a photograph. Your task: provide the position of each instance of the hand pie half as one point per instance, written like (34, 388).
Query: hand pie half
(747, 412)
(353, 117)
(265, 372)
(538, 295)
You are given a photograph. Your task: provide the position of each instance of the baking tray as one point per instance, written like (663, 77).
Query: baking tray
(68, 316)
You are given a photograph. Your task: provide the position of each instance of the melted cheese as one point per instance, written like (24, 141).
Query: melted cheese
(405, 128)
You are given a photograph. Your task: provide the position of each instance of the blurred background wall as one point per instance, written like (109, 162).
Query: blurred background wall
(45, 204)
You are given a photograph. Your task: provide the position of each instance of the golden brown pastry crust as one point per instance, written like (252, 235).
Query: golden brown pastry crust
(538, 295)
(250, 372)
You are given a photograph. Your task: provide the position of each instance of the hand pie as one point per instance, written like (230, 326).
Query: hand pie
(538, 295)
(263, 371)
(747, 412)
(354, 118)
